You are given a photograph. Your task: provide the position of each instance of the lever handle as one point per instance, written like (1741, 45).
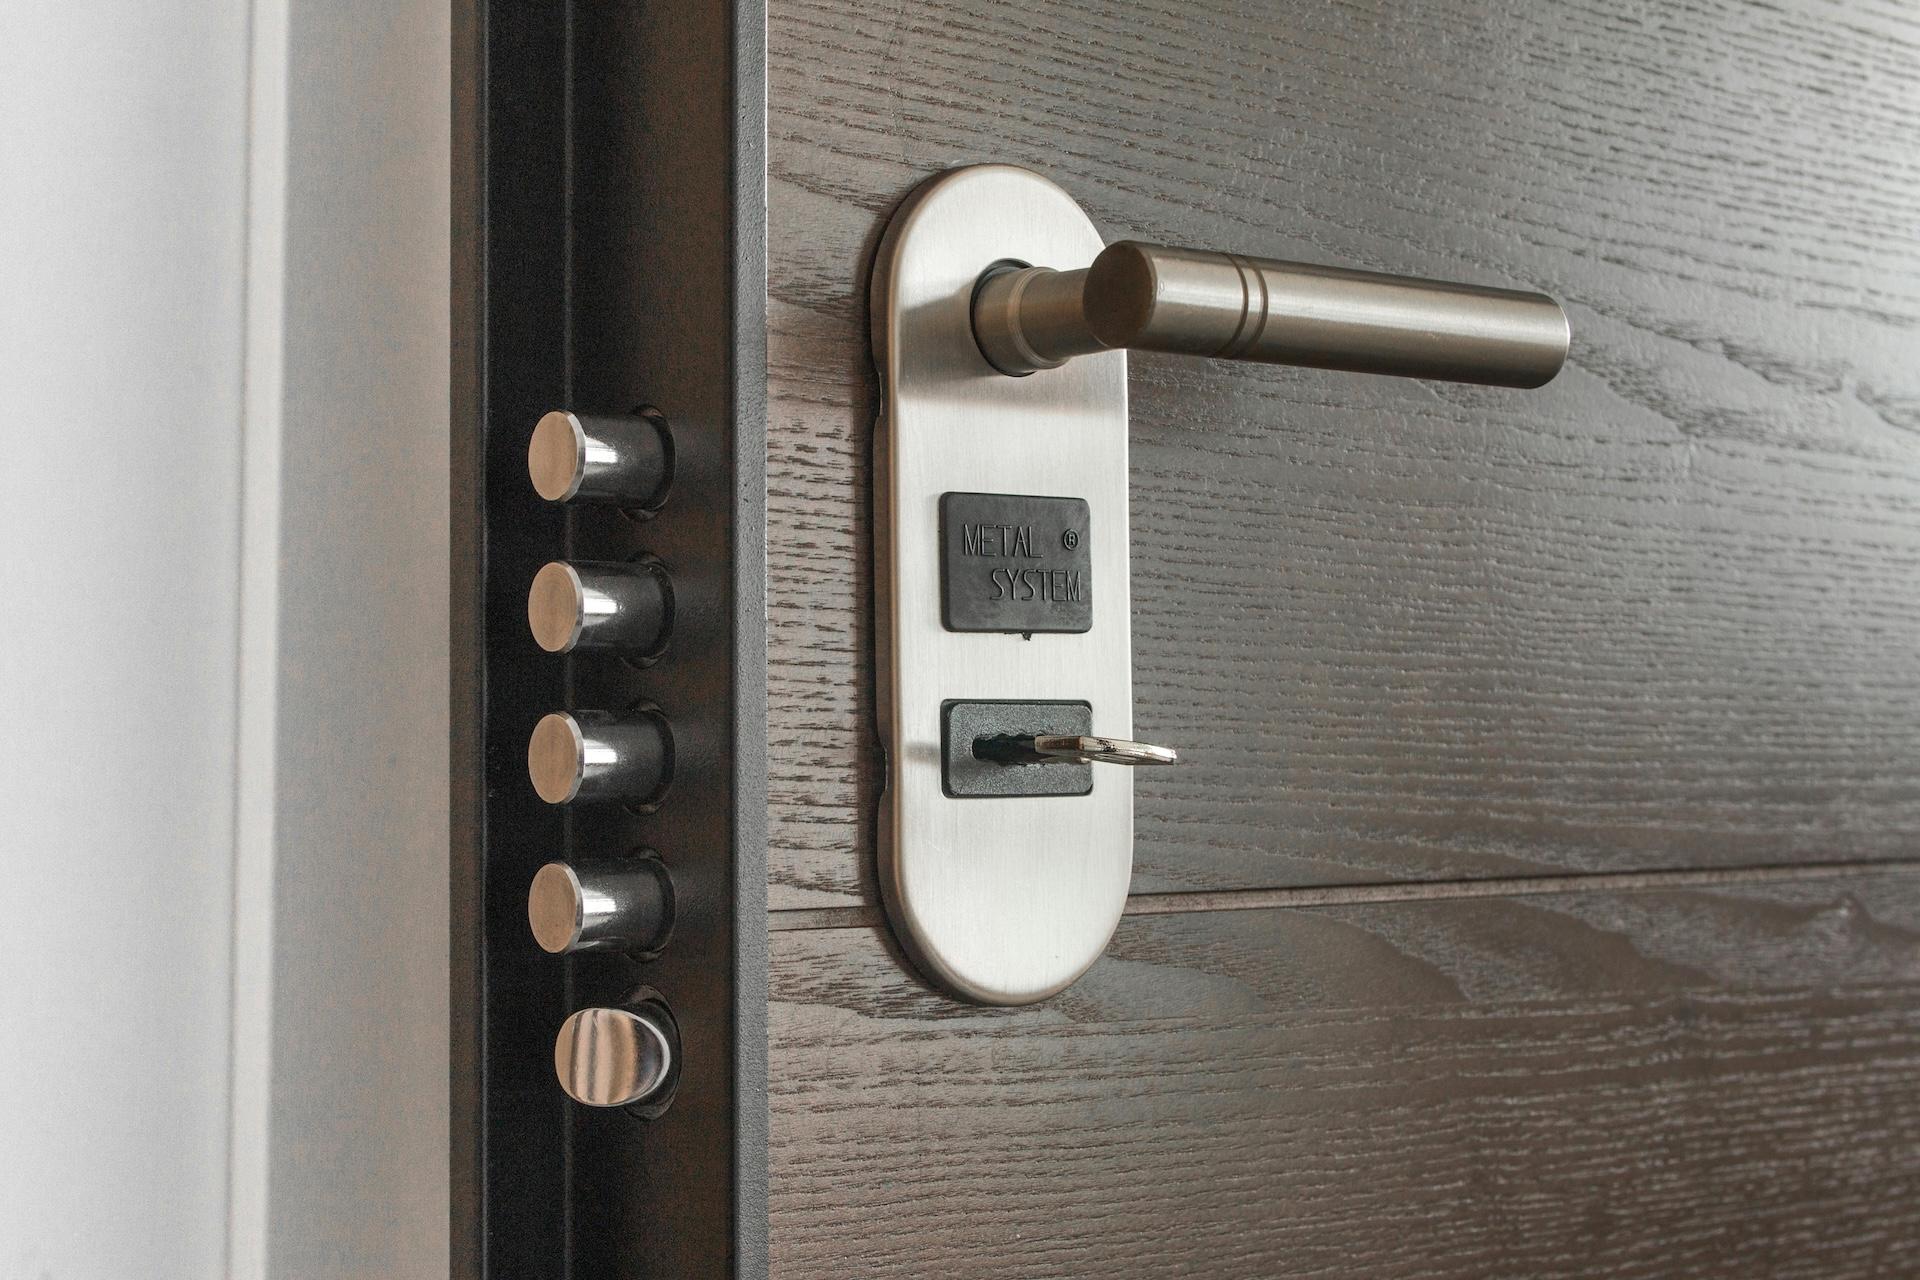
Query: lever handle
(1192, 302)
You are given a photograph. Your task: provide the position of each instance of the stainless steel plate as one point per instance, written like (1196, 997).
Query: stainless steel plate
(1002, 901)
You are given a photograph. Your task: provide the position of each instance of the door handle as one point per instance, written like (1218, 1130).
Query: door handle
(1193, 302)
(1002, 547)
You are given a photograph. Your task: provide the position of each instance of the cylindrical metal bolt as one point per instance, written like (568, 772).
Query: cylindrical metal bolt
(618, 460)
(601, 905)
(600, 755)
(624, 607)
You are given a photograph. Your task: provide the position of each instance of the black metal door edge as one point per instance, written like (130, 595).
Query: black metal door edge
(609, 250)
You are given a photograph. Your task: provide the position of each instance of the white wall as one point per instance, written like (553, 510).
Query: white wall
(222, 638)
(340, 1100)
(122, 236)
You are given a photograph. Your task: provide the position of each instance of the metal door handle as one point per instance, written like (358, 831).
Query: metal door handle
(1192, 302)
(1002, 611)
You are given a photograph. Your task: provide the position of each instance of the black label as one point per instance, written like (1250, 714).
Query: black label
(1012, 563)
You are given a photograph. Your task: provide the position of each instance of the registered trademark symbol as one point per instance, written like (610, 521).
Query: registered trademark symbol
(1070, 539)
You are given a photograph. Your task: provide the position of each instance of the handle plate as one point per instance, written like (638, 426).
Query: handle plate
(1000, 895)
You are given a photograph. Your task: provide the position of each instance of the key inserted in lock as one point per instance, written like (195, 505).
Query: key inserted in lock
(1009, 748)
(1019, 749)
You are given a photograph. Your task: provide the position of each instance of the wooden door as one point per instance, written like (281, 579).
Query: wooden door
(1538, 897)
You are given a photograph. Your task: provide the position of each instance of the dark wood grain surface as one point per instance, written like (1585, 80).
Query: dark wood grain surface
(1582, 1085)
(1663, 613)
(1425, 977)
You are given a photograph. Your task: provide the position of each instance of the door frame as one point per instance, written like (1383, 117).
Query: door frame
(609, 248)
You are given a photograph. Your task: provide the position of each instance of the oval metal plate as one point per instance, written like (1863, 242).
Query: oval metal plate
(999, 900)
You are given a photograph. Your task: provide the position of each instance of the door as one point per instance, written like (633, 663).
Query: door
(1534, 896)
(1538, 892)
